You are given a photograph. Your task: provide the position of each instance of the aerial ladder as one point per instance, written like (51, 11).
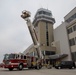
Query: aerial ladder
(25, 15)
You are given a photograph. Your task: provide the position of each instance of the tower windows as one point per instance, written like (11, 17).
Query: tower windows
(47, 35)
(45, 13)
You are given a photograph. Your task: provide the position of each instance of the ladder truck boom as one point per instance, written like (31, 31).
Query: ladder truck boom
(25, 15)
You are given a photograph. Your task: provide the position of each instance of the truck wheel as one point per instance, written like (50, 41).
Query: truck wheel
(59, 67)
(10, 69)
(73, 67)
(38, 66)
(20, 67)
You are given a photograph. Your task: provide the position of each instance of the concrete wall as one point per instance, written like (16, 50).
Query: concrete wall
(42, 33)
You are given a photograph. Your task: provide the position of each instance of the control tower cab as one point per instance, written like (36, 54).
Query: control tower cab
(45, 15)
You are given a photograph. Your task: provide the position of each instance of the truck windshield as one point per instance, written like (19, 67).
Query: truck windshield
(9, 56)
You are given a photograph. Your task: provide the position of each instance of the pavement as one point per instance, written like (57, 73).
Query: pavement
(43, 71)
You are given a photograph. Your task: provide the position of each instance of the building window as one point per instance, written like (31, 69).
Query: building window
(40, 12)
(74, 27)
(75, 40)
(47, 38)
(72, 42)
(47, 35)
(71, 18)
(46, 26)
(70, 30)
(47, 13)
(74, 56)
(49, 52)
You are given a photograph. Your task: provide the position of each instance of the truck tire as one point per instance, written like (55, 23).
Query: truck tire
(73, 67)
(59, 67)
(20, 67)
(38, 66)
(10, 69)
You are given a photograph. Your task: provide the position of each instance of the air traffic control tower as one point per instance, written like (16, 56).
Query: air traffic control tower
(43, 23)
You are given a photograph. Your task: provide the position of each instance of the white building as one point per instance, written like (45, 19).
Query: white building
(65, 36)
(61, 41)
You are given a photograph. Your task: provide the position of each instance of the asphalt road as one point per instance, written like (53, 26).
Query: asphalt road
(43, 71)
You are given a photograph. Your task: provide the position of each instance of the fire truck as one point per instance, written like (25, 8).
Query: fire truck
(21, 61)
(25, 15)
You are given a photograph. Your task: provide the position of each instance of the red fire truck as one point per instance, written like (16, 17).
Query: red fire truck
(12, 61)
(20, 61)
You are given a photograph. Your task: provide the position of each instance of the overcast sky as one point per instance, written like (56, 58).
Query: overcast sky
(14, 34)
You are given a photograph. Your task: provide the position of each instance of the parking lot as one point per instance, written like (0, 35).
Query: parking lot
(42, 71)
